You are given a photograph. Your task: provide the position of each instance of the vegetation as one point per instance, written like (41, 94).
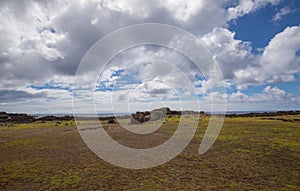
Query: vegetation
(251, 153)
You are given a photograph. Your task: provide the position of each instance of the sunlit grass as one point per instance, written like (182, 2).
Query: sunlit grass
(37, 124)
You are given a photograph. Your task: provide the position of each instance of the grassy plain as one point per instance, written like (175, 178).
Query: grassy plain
(251, 153)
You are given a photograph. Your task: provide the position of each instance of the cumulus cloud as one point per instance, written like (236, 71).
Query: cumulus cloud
(231, 54)
(280, 56)
(151, 62)
(53, 36)
(279, 61)
(42, 43)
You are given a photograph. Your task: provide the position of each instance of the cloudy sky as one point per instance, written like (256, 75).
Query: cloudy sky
(255, 44)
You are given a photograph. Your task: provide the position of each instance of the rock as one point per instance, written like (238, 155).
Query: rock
(54, 118)
(110, 121)
(265, 114)
(147, 118)
(138, 117)
(15, 118)
(24, 118)
(156, 114)
(161, 113)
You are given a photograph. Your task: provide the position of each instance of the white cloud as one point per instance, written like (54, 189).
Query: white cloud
(279, 61)
(152, 89)
(42, 42)
(271, 98)
(54, 35)
(282, 12)
(280, 56)
(231, 54)
(183, 10)
(247, 6)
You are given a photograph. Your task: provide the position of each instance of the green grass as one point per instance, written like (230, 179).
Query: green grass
(250, 154)
(38, 124)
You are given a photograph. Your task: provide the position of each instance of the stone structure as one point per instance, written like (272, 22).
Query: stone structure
(156, 114)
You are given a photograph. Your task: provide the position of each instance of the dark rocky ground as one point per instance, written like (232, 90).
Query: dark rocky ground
(24, 118)
(265, 114)
(138, 117)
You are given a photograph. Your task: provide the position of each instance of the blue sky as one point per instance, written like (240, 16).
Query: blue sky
(255, 43)
(259, 28)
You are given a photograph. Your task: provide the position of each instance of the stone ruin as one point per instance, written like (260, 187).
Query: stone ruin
(156, 114)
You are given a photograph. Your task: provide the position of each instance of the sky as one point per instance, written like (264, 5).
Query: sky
(255, 45)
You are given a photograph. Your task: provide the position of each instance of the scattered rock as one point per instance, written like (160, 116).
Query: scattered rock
(265, 114)
(15, 118)
(54, 118)
(24, 118)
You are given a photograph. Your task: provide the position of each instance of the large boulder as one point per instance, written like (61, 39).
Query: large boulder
(140, 117)
(156, 114)
(160, 113)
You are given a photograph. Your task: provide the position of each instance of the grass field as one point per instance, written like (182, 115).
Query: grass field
(250, 154)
